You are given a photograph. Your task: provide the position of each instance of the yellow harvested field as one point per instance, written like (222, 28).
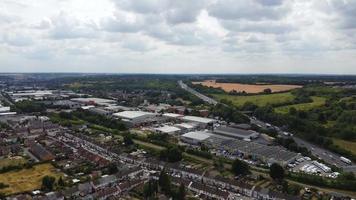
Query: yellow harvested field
(27, 179)
(248, 88)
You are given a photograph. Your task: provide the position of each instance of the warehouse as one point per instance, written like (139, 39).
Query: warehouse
(195, 137)
(136, 118)
(186, 127)
(94, 101)
(168, 130)
(201, 121)
(236, 133)
(267, 154)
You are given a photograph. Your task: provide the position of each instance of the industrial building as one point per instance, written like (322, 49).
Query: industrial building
(171, 130)
(201, 121)
(94, 101)
(136, 118)
(195, 137)
(267, 154)
(236, 133)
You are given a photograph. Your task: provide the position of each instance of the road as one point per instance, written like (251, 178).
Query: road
(199, 95)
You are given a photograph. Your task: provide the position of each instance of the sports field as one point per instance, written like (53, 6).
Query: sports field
(259, 100)
(27, 179)
(317, 101)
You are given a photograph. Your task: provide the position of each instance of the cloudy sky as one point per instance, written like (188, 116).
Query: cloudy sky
(178, 36)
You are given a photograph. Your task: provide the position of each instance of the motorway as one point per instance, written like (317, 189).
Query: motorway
(327, 156)
(199, 95)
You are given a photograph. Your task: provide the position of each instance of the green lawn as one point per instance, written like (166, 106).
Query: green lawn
(347, 145)
(259, 100)
(317, 101)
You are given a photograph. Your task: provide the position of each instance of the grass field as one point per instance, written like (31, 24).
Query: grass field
(317, 101)
(347, 145)
(13, 161)
(259, 100)
(26, 179)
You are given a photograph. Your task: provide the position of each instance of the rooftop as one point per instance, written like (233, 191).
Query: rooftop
(173, 115)
(167, 129)
(197, 135)
(198, 119)
(131, 114)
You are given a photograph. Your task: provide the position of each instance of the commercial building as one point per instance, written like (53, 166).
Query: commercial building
(236, 133)
(195, 137)
(201, 121)
(94, 101)
(168, 130)
(136, 118)
(186, 127)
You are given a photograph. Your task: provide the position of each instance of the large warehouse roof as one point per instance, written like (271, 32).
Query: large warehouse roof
(172, 115)
(95, 100)
(197, 135)
(235, 132)
(131, 114)
(168, 129)
(198, 119)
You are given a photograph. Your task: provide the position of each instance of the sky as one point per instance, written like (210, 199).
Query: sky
(178, 36)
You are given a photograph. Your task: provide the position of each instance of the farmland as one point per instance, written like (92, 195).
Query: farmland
(248, 88)
(317, 101)
(259, 100)
(26, 179)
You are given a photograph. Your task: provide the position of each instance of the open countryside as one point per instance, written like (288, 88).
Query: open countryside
(248, 88)
(317, 101)
(259, 100)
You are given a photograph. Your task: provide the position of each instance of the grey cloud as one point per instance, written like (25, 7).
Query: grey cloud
(16, 39)
(250, 10)
(271, 27)
(67, 27)
(270, 2)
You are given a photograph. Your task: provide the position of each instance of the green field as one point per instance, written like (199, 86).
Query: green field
(26, 179)
(317, 101)
(259, 100)
(347, 145)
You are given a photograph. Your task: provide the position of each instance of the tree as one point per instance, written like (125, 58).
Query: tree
(181, 192)
(150, 189)
(164, 182)
(267, 91)
(112, 168)
(48, 183)
(240, 168)
(128, 140)
(61, 182)
(276, 171)
(171, 154)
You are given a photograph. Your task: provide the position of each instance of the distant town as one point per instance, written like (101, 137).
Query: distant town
(97, 136)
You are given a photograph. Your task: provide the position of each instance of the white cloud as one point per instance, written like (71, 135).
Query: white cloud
(178, 36)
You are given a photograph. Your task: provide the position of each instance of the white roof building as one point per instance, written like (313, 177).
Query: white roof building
(195, 137)
(201, 120)
(168, 129)
(172, 115)
(91, 100)
(132, 114)
(136, 117)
